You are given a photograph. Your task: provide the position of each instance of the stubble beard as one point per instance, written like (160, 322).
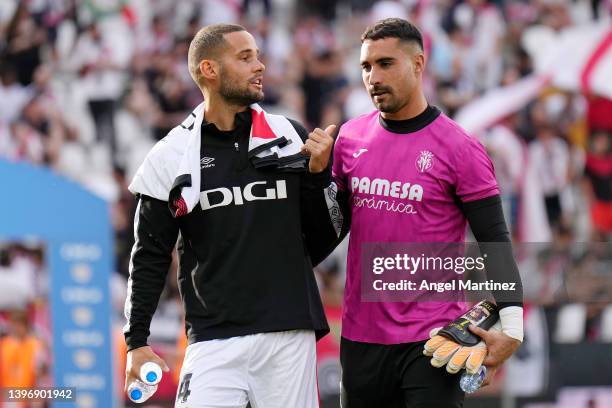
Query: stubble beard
(233, 94)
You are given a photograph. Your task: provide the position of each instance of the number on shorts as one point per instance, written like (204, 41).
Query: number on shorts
(184, 392)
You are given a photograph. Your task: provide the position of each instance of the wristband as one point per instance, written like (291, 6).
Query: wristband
(511, 319)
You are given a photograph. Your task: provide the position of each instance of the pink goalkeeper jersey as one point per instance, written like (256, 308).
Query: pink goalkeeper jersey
(420, 176)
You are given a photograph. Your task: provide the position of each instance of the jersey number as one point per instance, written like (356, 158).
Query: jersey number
(184, 392)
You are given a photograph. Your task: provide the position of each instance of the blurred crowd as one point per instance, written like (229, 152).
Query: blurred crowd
(87, 87)
(25, 328)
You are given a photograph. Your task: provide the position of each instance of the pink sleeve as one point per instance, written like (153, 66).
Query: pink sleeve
(474, 171)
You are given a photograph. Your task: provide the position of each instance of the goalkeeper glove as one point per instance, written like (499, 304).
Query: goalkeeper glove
(456, 347)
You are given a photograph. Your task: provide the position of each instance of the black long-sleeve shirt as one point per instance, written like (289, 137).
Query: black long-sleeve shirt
(245, 252)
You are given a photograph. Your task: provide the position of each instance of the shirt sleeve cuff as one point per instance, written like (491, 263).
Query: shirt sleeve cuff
(319, 180)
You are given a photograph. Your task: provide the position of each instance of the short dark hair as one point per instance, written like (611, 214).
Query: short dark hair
(206, 44)
(393, 28)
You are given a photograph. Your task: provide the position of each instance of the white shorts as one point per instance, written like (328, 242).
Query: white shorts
(269, 370)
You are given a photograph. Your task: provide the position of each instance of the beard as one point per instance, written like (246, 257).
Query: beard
(387, 106)
(390, 103)
(231, 91)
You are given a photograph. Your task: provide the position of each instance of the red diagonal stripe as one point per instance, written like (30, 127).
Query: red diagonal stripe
(260, 127)
(591, 64)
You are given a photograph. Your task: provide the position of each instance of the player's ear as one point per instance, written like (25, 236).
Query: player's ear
(209, 69)
(419, 62)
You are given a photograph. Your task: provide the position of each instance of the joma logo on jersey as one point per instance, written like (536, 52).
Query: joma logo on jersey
(220, 197)
(382, 187)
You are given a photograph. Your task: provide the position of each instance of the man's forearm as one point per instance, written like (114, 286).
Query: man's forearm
(155, 235)
(486, 218)
(323, 221)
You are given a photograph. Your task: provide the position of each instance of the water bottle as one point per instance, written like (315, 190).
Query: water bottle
(150, 373)
(469, 383)
(139, 392)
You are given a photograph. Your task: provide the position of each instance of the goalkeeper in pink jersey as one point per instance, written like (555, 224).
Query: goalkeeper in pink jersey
(407, 173)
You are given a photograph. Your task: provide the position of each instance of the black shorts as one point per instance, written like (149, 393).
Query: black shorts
(395, 376)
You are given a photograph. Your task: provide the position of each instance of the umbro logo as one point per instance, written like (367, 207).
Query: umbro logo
(359, 153)
(207, 162)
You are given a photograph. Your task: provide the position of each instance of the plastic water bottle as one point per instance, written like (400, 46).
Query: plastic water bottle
(139, 392)
(469, 383)
(150, 373)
